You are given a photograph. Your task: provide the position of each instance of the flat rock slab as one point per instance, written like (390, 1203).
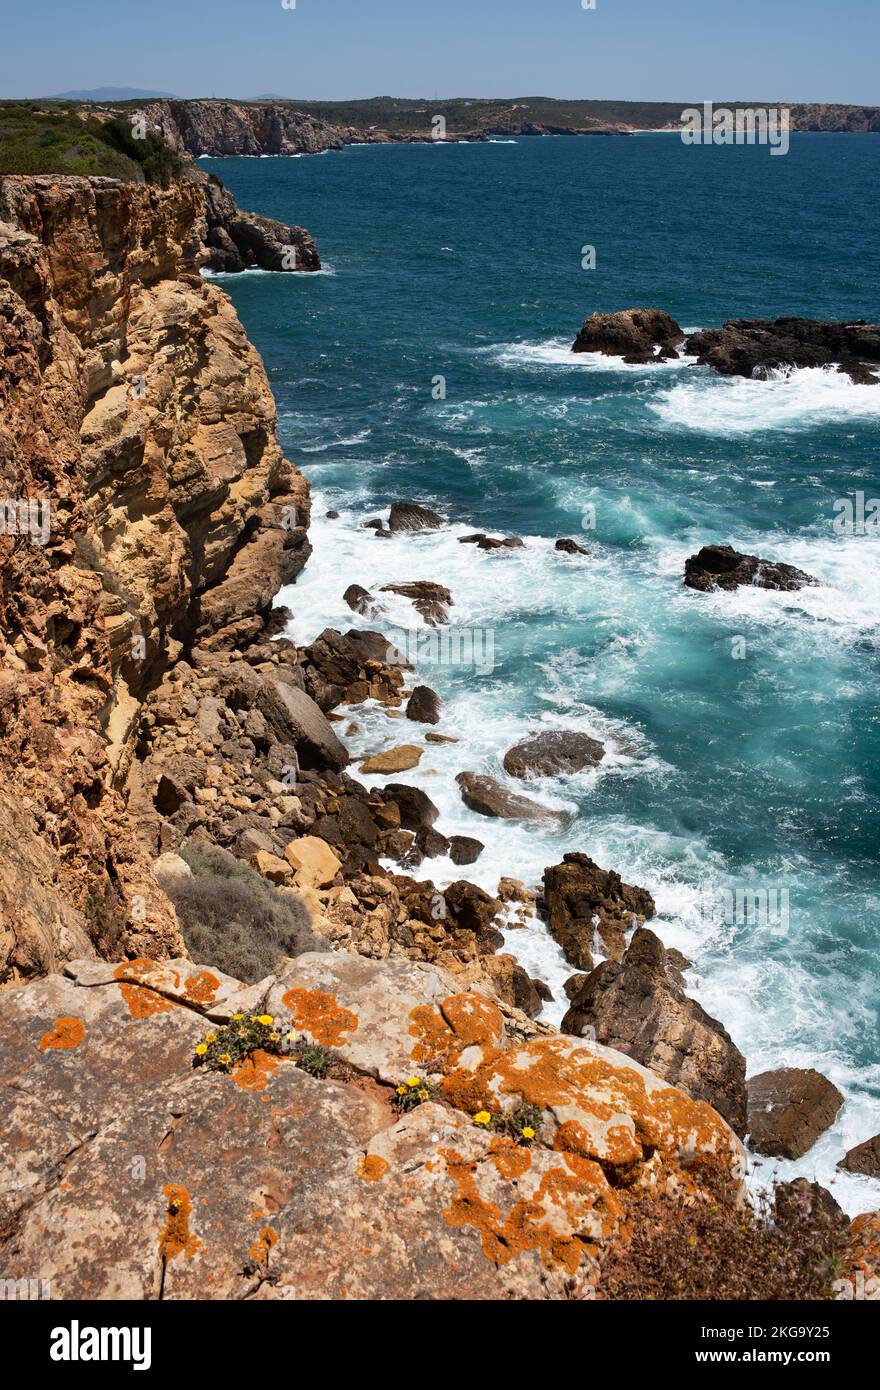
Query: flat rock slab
(553, 752)
(400, 759)
(490, 798)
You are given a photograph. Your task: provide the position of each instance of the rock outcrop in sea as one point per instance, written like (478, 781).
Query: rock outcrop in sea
(741, 347)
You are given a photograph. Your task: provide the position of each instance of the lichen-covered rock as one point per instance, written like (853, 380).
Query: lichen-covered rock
(127, 1174)
(637, 1007)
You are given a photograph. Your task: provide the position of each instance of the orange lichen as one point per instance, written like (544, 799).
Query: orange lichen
(176, 1239)
(444, 1032)
(262, 1247)
(253, 1073)
(201, 988)
(372, 1168)
(510, 1158)
(533, 1222)
(68, 1032)
(143, 1003)
(552, 1073)
(319, 1015)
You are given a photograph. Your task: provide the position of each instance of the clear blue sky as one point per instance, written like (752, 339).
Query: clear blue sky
(790, 50)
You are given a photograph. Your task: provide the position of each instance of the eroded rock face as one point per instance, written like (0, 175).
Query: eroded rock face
(430, 599)
(636, 1006)
(237, 240)
(636, 335)
(788, 1109)
(722, 567)
(584, 904)
(553, 752)
(269, 1183)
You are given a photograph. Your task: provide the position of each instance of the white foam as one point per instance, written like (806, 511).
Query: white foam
(789, 399)
(556, 352)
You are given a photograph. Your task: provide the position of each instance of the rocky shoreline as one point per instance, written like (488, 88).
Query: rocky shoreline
(149, 711)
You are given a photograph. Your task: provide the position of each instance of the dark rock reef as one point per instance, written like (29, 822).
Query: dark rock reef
(722, 567)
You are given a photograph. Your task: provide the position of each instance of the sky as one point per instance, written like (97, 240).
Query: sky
(650, 50)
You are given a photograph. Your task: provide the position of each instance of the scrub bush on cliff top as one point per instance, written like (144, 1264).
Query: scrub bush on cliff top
(234, 920)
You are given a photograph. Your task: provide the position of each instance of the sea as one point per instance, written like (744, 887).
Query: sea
(431, 361)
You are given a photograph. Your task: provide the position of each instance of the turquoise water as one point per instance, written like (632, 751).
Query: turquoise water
(742, 728)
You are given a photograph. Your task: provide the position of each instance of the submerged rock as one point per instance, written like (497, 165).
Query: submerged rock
(722, 567)
(484, 542)
(489, 798)
(570, 547)
(788, 1110)
(428, 598)
(636, 1006)
(552, 752)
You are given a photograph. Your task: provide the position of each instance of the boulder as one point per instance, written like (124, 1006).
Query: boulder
(635, 1006)
(360, 600)
(756, 347)
(423, 705)
(484, 542)
(399, 759)
(417, 810)
(864, 1158)
(294, 717)
(570, 547)
(636, 335)
(585, 904)
(271, 867)
(722, 567)
(489, 798)
(312, 861)
(801, 1202)
(788, 1110)
(470, 906)
(463, 849)
(553, 752)
(169, 870)
(429, 599)
(408, 516)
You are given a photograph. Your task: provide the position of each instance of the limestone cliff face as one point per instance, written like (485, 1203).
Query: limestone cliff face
(134, 407)
(240, 128)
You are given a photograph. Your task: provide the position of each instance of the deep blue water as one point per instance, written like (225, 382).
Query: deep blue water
(742, 728)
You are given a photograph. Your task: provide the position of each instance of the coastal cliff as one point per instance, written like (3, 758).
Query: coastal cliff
(220, 128)
(136, 410)
(148, 726)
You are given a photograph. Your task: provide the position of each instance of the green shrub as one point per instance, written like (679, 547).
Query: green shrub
(233, 919)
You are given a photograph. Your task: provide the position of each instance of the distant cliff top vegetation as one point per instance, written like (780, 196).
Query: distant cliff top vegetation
(58, 138)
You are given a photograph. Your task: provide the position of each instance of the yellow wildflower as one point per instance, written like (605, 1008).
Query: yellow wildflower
(201, 1049)
(236, 1018)
(528, 1132)
(210, 1037)
(414, 1081)
(274, 1037)
(266, 1019)
(224, 1059)
(401, 1090)
(422, 1094)
(482, 1117)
